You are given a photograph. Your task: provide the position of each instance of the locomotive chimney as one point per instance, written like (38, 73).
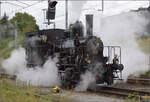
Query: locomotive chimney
(89, 25)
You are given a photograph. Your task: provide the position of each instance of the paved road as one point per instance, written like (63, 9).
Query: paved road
(84, 97)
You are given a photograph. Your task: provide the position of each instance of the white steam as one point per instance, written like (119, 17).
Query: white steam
(76, 9)
(122, 30)
(45, 76)
(86, 79)
(16, 63)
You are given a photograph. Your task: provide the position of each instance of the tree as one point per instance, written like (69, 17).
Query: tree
(4, 20)
(6, 28)
(25, 22)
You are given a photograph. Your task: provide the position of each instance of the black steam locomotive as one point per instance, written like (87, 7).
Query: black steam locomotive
(77, 53)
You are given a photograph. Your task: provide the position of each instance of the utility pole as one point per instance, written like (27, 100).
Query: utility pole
(0, 8)
(66, 14)
(149, 43)
(149, 55)
(102, 5)
(16, 35)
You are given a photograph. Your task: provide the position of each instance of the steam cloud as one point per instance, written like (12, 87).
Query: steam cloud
(122, 30)
(45, 76)
(16, 63)
(76, 9)
(86, 80)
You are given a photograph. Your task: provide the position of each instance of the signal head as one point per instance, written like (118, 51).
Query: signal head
(52, 4)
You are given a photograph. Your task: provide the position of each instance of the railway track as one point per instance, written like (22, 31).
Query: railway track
(108, 90)
(145, 76)
(119, 92)
(125, 92)
(7, 76)
(141, 81)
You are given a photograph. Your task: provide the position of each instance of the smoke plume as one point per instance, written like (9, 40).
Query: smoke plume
(45, 76)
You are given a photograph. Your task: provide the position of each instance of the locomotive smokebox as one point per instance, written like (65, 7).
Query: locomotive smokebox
(89, 25)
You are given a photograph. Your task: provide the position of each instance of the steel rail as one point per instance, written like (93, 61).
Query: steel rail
(76, 0)
(119, 92)
(7, 76)
(142, 81)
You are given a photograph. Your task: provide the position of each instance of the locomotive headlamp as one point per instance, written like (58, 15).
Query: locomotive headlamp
(95, 52)
(97, 40)
(70, 26)
(77, 34)
(97, 43)
(89, 61)
(57, 38)
(44, 38)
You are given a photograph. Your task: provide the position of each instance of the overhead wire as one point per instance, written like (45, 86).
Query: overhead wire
(39, 1)
(22, 2)
(24, 8)
(13, 4)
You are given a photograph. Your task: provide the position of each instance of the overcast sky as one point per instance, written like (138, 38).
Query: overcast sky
(110, 8)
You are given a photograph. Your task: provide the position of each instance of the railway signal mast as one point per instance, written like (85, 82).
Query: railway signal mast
(66, 14)
(50, 15)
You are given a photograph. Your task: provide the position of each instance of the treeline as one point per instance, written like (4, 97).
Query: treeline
(22, 22)
(6, 28)
(146, 13)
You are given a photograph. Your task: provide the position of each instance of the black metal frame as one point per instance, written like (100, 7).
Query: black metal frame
(111, 49)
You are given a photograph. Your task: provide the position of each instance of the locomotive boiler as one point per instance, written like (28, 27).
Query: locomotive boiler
(77, 53)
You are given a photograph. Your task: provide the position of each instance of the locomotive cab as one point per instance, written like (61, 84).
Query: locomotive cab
(113, 70)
